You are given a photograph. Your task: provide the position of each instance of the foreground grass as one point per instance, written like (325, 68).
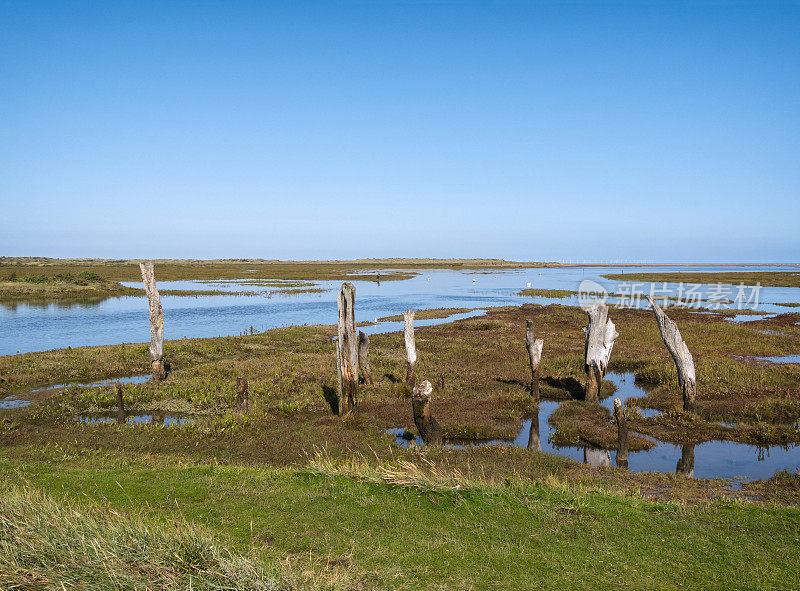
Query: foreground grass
(45, 544)
(399, 525)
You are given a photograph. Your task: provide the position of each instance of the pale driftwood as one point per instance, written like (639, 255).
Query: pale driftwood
(428, 428)
(596, 457)
(411, 347)
(680, 354)
(600, 336)
(363, 357)
(686, 463)
(156, 321)
(242, 394)
(534, 442)
(622, 434)
(534, 347)
(120, 404)
(347, 350)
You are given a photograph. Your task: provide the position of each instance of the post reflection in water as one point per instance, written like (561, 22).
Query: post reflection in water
(533, 436)
(686, 463)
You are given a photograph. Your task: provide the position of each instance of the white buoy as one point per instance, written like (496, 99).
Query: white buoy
(528, 284)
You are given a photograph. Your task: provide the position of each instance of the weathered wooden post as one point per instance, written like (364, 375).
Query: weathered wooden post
(428, 428)
(534, 442)
(596, 457)
(600, 336)
(686, 463)
(534, 355)
(242, 394)
(156, 321)
(411, 347)
(120, 404)
(680, 354)
(622, 434)
(347, 350)
(363, 357)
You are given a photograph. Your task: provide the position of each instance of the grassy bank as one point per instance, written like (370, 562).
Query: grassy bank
(405, 525)
(765, 278)
(49, 544)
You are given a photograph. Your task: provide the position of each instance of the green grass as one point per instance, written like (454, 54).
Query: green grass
(547, 293)
(46, 544)
(402, 525)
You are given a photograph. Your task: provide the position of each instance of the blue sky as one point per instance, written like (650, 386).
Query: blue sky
(663, 131)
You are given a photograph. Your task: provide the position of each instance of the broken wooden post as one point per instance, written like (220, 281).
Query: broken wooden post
(534, 442)
(363, 357)
(428, 428)
(622, 434)
(686, 463)
(242, 394)
(120, 404)
(347, 350)
(411, 347)
(596, 457)
(534, 355)
(680, 354)
(156, 321)
(600, 337)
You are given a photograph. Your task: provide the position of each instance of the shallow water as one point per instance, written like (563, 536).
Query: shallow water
(712, 459)
(139, 419)
(777, 359)
(140, 379)
(13, 401)
(39, 327)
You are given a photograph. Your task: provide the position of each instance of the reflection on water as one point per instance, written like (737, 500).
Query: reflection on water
(37, 327)
(711, 459)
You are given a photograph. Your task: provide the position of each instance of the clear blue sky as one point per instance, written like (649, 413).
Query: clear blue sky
(664, 131)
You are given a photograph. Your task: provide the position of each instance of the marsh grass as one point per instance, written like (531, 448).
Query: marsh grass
(46, 544)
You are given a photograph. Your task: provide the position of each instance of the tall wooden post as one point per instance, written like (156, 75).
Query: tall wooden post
(622, 434)
(428, 428)
(242, 394)
(363, 357)
(534, 347)
(156, 321)
(347, 350)
(680, 355)
(120, 404)
(600, 336)
(411, 346)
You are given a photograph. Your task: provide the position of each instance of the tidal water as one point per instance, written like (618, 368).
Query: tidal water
(34, 327)
(711, 459)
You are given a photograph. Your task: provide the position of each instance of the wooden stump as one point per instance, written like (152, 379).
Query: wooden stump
(347, 350)
(686, 463)
(427, 426)
(363, 357)
(534, 442)
(600, 336)
(680, 355)
(534, 347)
(596, 457)
(411, 346)
(156, 321)
(622, 434)
(242, 394)
(120, 404)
